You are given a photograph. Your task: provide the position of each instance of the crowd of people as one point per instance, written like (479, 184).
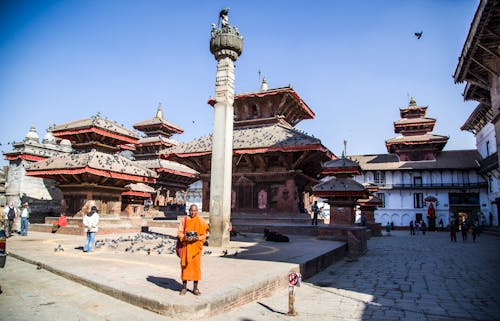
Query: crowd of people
(15, 220)
(464, 226)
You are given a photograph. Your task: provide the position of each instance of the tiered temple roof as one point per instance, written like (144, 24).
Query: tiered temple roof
(93, 139)
(272, 160)
(92, 167)
(172, 176)
(480, 53)
(416, 143)
(96, 133)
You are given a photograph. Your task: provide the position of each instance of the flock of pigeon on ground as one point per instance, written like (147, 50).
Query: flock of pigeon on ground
(148, 243)
(152, 242)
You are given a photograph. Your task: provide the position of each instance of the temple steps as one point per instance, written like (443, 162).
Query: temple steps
(493, 230)
(77, 230)
(283, 228)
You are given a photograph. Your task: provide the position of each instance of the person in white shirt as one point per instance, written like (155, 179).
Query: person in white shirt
(25, 215)
(90, 222)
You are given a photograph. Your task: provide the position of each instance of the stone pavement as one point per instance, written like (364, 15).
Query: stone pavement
(248, 270)
(400, 278)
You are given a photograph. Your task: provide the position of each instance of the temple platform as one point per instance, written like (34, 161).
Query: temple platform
(248, 269)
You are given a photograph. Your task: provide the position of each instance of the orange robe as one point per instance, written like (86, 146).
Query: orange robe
(191, 254)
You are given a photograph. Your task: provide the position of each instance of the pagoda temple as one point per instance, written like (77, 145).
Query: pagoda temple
(274, 163)
(172, 176)
(95, 173)
(416, 143)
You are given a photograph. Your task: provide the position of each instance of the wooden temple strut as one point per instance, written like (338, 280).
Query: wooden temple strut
(485, 67)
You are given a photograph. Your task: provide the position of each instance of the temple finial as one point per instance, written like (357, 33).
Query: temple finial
(412, 102)
(159, 112)
(263, 86)
(344, 152)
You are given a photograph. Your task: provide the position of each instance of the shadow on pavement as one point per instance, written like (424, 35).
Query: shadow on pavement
(166, 283)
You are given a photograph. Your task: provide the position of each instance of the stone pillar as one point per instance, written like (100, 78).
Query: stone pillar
(226, 45)
(222, 153)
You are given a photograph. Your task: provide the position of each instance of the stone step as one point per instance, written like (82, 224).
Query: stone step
(493, 230)
(267, 220)
(115, 220)
(286, 229)
(77, 230)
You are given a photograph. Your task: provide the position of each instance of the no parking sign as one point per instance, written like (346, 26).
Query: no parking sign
(294, 279)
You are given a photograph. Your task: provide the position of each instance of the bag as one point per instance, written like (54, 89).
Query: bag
(12, 214)
(178, 245)
(178, 248)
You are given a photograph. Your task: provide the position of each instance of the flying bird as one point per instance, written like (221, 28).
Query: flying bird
(419, 34)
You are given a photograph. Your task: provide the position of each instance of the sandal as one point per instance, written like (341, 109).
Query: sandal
(196, 292)
(183, 292)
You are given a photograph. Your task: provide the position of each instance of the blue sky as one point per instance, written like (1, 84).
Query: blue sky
(355, 63)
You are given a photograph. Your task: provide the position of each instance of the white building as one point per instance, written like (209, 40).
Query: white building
(417, 172)
(452, 178)
(479, 123)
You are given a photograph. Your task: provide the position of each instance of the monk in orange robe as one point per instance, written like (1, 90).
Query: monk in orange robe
(192, 236)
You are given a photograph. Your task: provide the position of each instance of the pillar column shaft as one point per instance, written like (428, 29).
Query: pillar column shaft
(222, 154)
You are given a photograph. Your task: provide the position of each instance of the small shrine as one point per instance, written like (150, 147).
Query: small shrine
(416, 143)
(341, 190)
(368, 206)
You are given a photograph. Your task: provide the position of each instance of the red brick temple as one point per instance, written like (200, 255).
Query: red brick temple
(172, 176)
(341, 190)
(274, 163)
(94, 174)
(416, 143)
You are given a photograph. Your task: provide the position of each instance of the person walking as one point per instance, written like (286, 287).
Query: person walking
(473, 231)
(463, 228)
(90, 223)
(10, 213)
(412, 228)
(453, 232)
(192, 233)
(25, 215)
(424, 227)
(441, 224)
(315, 209)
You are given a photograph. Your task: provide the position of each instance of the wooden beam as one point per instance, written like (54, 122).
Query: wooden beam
(493, 33)
(485, 67)
(279, 110)
(300, 159)
(249, 161)
(261, 164)
(283, 160)
(479, 81)
(488, 50)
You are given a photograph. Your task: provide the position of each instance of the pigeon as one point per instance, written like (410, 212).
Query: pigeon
(419, 34)
(38, 266)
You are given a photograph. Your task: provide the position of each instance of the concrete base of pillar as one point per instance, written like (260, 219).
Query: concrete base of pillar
(341, 215)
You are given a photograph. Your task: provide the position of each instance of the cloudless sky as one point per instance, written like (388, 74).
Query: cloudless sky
(355, 63)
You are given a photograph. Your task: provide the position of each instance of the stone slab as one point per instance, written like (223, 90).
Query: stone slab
(249, 269)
